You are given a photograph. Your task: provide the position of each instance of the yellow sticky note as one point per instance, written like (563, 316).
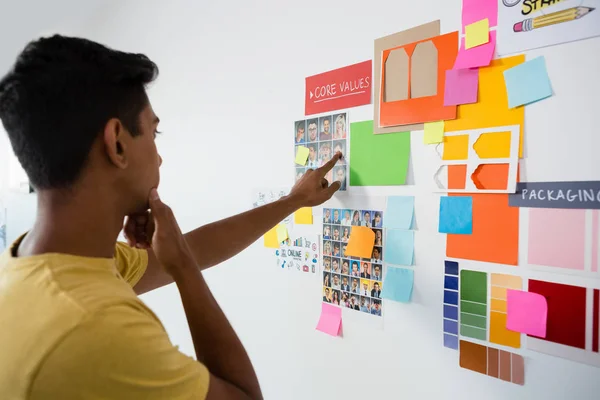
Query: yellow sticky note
(434, 132)
(303, 216)
(270, 238)
(282, 233)
(361, 242)
(301, 155)
(477, 33)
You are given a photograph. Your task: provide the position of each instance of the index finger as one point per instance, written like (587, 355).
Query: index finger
(325, 168)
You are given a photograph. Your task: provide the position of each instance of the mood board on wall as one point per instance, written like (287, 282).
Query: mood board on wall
(468, 92)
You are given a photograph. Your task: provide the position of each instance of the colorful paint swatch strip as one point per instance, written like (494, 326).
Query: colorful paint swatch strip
(496, 363)
(451, 305)
(498, 332)
(473, 304)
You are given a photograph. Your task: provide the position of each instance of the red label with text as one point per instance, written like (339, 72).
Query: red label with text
(341, 88)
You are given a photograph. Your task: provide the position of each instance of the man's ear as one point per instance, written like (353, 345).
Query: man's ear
(114, 143)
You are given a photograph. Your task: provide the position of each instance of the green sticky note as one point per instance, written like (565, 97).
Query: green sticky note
(473, 286)
(377, 160)
(302, 155)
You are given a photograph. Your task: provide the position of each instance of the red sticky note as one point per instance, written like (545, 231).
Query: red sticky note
(330, 321)
(526, 312)
(461, 86)
(480, 56)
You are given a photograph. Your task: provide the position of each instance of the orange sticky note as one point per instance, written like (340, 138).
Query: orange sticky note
(362, 240)
(270, 238)
(303, 216)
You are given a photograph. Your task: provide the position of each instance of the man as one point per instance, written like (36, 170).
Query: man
(83, 128)
(336, 217)
(376, 254)
(367, 219)
(336, 233)
(336, 266)
(347, 221)
(336, 282)
(340, 176)
(312, 130)
(344, 247)
(354, 303)
(354, 289)
(376, 308)
(300, 132)
(336, 250)
(355, 269)
(327, 216)
(365, 288)
(377, 273)
(325, 154)
(312, 156)
(325, 132)
(365, 271)
(377, 220)
(365, 305)
(376, 292)
(327, 297)
(345, 286)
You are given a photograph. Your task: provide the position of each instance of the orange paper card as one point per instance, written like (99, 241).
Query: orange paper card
(413, 79)
(362, 240)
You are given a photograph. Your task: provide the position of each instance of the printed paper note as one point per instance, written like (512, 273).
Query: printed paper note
(301, 155)
(270, 238)
(456, 215)
(434, 132)
(580, 194)
(399, 213)
(362, 240)
(398, 284)
(480, 56)
(303, 216)
(461, 86)
(282, 233)
(527, 83)
(330, 321)
(399, 247)
(477, 33)
(526, 312)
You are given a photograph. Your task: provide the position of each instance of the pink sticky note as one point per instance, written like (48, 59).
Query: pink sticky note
(526, 312)
(461, 86)
(557, 238)
(480, 56)
(476, 10)
(330, 321)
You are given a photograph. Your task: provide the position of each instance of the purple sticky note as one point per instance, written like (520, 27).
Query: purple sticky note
(330, 321)
(480, 56)
(461, 86)
(476, 10)
(526, 312)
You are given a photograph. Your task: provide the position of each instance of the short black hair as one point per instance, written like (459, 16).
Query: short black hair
(58, 97)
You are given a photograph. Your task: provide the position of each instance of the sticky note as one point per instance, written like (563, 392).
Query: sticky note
(398, 284)
(461, 87)
(476, 10)
(282, 233)
(456, 215)
(399, 212)
(399, 247)
(526, 312)
(361, 242)
(434, 132)
(480, 56)
(527, 83)
(330, 321)
(477, 33)
(303, 216)
(301, 155)
(270, 238)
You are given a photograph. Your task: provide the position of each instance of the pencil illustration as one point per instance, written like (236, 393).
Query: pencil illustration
(558, 17)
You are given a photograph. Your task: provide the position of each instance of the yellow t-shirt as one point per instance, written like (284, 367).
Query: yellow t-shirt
(73, 328)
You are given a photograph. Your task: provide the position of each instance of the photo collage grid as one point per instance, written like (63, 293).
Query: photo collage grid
(352, 282)
(323, 136)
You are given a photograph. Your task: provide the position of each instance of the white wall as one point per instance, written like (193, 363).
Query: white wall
(231, 84)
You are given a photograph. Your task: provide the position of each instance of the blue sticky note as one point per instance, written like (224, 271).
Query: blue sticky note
(451, 282)
(451, 327)
(399, 212)
(456, 215)
(527, 83)
(450, 297)
(450, 312)
(398, 284)
(399, 247)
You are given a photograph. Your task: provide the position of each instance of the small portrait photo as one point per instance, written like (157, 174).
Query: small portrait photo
(376, 307)
(355, 268)
(312, 125)
(325, 128)
(300, 173)
(337, 249)
(327, 215)
(345, 300)
(377, 254)
(365, 304)
(335, 297)
(345, 267)
(355, 302)
(377, 274)
(365, 287)
(324, 152)
(327, 263)
(377, 219)
(313, 155)
(356, 218)
(339, 146)
(326, 231)
(339, 174)
(337, 218)
(355, 286)
(336, 281)
(327, 295)
(365, 270)
(346, 230)
(300, 132)
(376, 289)
(344, 247)
(378, 237)
(336, 232)
(346, 217)
(327, 248)
(326, 279)
(336, 266)
(339, 123)
(345, 283)
(366, 218)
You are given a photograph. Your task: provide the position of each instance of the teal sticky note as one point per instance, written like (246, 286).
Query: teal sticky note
(527, 83)
(399, 247)
(399, 212)
(456, 215)
(398, 284)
